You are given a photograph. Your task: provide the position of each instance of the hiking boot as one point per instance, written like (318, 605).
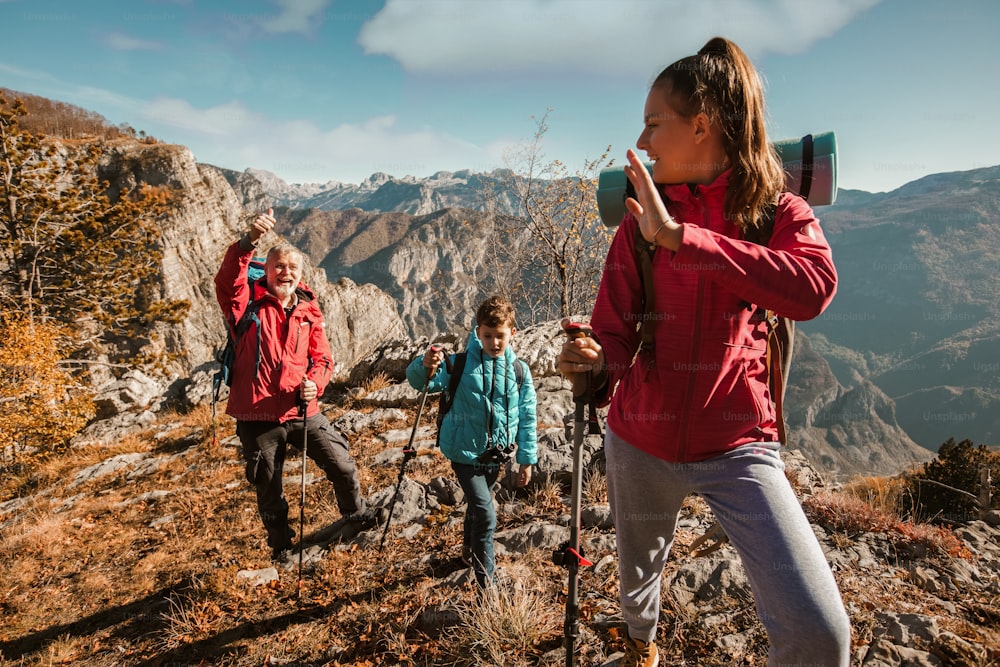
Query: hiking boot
(363, 519)
(285, 551)
(282, 554)
(639, 654)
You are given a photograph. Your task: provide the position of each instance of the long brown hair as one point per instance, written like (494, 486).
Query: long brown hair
(721, 82)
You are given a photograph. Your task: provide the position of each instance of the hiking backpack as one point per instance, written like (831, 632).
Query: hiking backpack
(227, 356)
(455, 369)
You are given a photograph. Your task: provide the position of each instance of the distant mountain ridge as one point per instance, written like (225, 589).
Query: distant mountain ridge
(383, 193)
(917, 311)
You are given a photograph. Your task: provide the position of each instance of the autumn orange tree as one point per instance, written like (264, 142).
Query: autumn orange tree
(548, 244)
(76, 260)
(42, 405)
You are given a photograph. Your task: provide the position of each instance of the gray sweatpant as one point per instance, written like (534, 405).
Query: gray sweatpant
(796, 595)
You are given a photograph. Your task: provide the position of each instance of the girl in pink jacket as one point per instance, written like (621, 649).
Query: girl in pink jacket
(690, 411)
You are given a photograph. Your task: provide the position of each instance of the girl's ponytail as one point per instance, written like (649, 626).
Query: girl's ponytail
(721, 82)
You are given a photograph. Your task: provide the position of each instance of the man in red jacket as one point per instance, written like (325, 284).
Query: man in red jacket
(282, 361)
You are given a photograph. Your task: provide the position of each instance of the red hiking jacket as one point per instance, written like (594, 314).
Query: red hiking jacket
(703, 388)
(291, 348)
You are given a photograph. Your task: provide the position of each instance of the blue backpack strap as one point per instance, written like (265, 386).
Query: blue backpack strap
(255, 272)
(250, 316)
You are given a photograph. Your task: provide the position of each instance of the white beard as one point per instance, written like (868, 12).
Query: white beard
(284, 291)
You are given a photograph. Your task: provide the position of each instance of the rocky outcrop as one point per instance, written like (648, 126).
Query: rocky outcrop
(208, 214)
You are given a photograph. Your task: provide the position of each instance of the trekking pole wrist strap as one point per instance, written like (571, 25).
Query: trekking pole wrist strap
(247, 244)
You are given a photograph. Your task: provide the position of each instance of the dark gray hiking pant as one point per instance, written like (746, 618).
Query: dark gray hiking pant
(264, 449)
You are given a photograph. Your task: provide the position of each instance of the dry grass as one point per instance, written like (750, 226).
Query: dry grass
(546, 496)
(595, 487)
(376, 382)
(505, 625)
(885, 494)
(847, 513)
(92, 578)
(188, 620)
(851, 515)
(371, 384)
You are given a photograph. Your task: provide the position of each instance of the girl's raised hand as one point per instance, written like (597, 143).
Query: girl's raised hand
(647, 206)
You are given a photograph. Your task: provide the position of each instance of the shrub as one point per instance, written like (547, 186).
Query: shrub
(947, 488)
(848, 514)
(43, 407)
(502, 626)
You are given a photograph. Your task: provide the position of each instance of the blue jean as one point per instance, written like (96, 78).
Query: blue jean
(796, 595)
(477, 482)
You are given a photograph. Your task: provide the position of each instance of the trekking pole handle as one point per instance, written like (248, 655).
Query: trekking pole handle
(302, 403)
(576, 330)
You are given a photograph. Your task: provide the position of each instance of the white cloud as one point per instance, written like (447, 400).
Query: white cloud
(295, 16)
(120, 42)
(224, 120)
(452, 38)
(232, 136)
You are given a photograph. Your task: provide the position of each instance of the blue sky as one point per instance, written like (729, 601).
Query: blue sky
(319, 90)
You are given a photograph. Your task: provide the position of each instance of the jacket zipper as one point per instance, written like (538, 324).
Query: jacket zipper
(693, 368)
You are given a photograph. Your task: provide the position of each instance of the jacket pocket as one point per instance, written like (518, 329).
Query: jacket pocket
(740, 396)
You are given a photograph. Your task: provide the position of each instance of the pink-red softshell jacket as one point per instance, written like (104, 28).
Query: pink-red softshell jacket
(291, 348)
(703, 390)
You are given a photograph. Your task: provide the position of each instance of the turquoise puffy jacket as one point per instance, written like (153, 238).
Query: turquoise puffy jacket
(488, 405)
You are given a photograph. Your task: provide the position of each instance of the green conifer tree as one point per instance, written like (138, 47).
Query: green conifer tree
(70, 252)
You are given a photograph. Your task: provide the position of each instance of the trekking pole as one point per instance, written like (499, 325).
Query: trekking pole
(303, 409)
(408, 453)
(570, 554)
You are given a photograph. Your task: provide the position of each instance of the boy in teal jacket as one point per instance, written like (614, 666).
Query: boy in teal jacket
(492, 416)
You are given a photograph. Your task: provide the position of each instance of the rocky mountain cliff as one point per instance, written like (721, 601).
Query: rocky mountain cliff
(208, 215)
(844, 431)
(916, 312)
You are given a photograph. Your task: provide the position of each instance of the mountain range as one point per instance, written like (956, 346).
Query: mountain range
(902, 361)
(915, 317)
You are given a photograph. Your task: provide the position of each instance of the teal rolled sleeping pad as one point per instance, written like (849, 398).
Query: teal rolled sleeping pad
(810, 171)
